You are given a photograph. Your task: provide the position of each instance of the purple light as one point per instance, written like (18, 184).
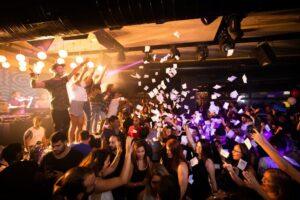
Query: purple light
(115, 71)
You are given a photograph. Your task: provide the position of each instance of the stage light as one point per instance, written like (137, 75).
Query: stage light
(264, 54)
(60, 61)
(40, 64)
(62, 53)
(2, 59)
(226, 43)
(73, 65)
(175, 54)
(22, 68)
(20, 57)
(37, 69)
(90, 64)
(6, 65)
(234, 27)
(79, 59)
(147, 58)
(42, 55)
(202, 52)
(22, 64)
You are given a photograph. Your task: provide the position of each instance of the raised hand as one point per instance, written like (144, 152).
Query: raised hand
(250, 180)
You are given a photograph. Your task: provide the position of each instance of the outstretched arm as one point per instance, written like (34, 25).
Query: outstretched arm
(76, 69)
(281, 162)
(34, 83)
(103, 185)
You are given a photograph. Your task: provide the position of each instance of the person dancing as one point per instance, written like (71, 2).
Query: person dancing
(57, 88)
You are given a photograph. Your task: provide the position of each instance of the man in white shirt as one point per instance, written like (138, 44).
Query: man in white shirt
(34, 134)
(114, 105)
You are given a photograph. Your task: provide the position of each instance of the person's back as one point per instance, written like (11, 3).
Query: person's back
(83, 148)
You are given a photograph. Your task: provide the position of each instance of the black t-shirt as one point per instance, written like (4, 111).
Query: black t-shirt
(58, 91)
(72, 159)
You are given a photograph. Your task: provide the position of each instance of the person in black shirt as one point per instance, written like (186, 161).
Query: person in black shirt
(62, 157)
(57, 88)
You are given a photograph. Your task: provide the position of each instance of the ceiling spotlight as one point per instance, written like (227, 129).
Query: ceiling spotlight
(22, 68)
(60, 61)
(5, 65)
(62, 53)
(73, 65)
(42, 55)
(226, 43)
(234, 27)
(22, 64)
(20, 57)
(175, 54)
(202, 52)
(2, 59)
(79, 59)
(90, 64)
(147, 49)
(264, 54)
(38, 67)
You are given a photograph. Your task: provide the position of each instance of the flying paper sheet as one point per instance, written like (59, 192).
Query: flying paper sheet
(247, 142)
(224, 153)
(184, 86)
(216, 87)
(234, 94)
(139, 107)
(244, 78)
(225, 106)
(231, 78)
(242, 164)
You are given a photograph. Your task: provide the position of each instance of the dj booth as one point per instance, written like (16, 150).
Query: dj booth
(12, 127)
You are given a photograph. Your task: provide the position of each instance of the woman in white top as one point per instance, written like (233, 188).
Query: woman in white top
(77, 96)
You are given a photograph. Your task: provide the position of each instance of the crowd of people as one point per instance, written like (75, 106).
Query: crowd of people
(108, 147)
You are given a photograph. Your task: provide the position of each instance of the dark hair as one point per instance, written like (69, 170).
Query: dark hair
(206, 152)
(169, 188)
(54, 66)
(176, 149)
(137, 145)
(58, 136)
(71, 183)
(112, 118)
(245, 152)
(95, 159)
(12, 153)
(84, 135)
